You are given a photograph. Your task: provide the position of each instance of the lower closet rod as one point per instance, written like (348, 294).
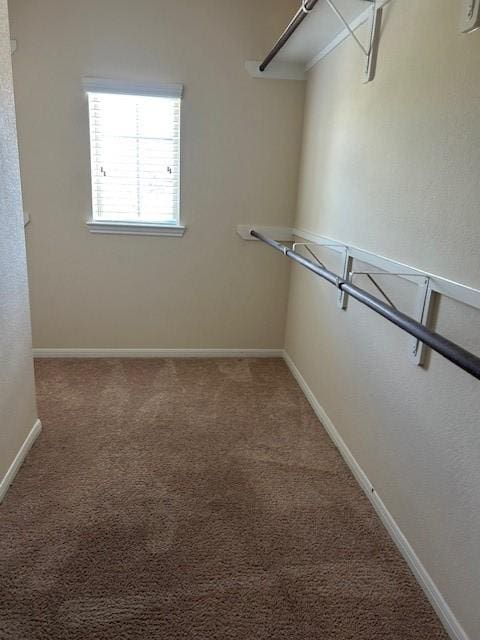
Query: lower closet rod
(467, 361)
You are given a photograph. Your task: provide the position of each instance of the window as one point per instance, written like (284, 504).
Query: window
(135, 157)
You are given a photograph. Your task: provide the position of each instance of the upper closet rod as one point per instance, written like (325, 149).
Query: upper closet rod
(453, 352)
(298, 18)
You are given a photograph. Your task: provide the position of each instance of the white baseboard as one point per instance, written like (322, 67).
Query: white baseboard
(158, 353)
(19, 458)
(446, 615)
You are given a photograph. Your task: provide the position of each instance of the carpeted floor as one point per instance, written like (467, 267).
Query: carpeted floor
(193, 500)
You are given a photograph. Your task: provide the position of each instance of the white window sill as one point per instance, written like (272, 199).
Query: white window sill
(136, 228)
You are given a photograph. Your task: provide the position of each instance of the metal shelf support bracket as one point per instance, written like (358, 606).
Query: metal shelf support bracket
(375, 24)
(375, 29)
(423, 313)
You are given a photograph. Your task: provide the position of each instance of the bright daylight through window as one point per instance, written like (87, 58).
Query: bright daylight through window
(135, 156)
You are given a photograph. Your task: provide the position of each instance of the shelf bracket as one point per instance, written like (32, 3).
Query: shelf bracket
(424, 304)
(375, 22)
(423, 313)
(375, 29)
(342, 301)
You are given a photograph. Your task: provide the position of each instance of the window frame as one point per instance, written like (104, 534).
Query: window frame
(134, 227)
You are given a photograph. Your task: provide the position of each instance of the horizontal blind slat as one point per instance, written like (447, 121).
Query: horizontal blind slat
(135, 155)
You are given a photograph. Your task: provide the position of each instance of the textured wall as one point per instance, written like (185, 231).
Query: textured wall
(392, 167)
(241, 144)
(17, 396)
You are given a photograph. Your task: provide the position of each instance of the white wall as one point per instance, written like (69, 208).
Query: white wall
(17, 395)
(392, 167)
(241, 145)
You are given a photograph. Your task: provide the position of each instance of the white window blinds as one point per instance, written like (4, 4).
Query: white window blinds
(135, 152)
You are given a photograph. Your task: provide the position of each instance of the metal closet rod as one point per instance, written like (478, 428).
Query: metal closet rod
(467, 361)
(305, 8)
(297, 20)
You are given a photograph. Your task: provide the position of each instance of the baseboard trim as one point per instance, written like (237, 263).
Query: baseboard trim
(19, 458)
(445, 614)
(158, 353)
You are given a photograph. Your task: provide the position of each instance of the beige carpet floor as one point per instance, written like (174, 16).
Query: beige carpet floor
(193, 499)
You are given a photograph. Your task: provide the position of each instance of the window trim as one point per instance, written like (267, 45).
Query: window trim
(136, 228)
(160, 90)
(122, 227)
